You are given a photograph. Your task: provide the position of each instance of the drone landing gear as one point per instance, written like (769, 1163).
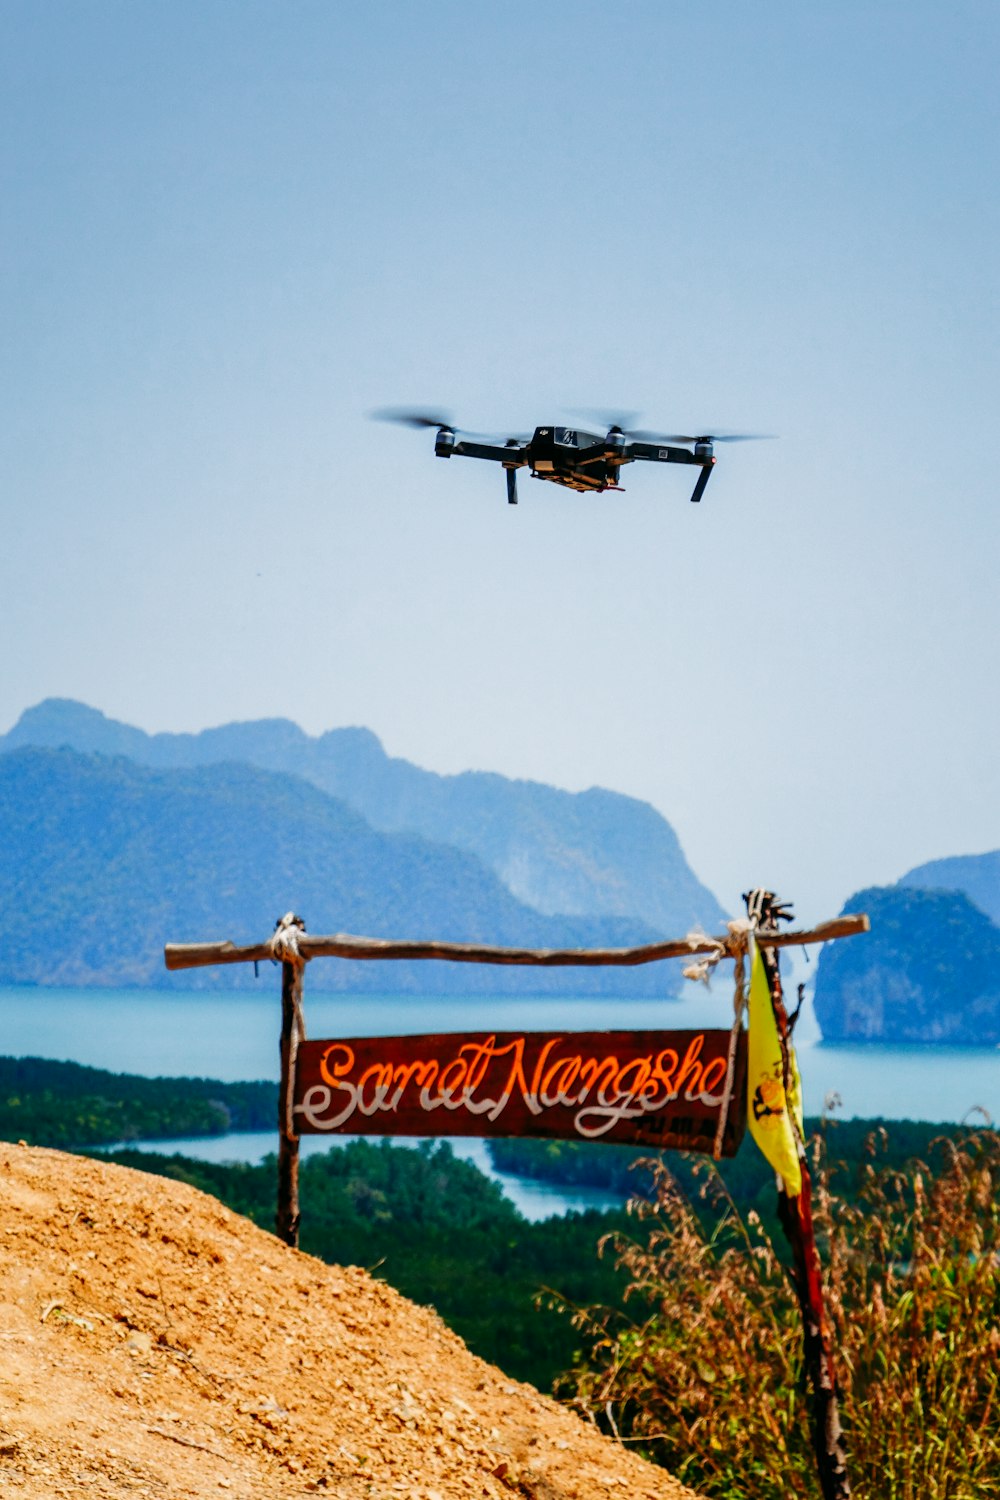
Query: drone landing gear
(703, 479)
(511, 486)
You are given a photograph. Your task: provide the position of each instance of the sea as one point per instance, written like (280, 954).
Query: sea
(234, 1036)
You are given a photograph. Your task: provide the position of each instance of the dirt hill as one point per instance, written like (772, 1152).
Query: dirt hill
(152, 1343)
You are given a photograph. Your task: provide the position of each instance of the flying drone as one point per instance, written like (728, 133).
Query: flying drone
(575, 457)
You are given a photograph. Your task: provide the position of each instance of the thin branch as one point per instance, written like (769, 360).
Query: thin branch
(174, 1437)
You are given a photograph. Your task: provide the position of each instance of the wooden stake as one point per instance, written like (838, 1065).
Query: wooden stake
(795, 1215)
(292, 1032)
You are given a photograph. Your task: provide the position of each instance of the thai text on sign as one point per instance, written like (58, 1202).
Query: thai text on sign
(659, 1088)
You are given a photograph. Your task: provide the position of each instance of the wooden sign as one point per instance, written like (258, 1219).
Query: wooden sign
(655, 1088)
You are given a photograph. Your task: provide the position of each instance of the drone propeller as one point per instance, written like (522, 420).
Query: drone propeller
(607, 420)
(411, 418)
(427, 419)
(719, 437)
(621, 421)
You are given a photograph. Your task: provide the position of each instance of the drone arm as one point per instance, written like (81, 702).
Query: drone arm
(499, 452)
(659, 453)
(665, 453)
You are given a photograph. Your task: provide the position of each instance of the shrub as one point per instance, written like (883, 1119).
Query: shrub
(707, 1380)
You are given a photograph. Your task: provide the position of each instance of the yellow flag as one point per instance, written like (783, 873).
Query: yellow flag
(767, 1107)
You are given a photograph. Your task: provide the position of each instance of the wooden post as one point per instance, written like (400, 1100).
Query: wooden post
(795, 1215)
(292, 1032)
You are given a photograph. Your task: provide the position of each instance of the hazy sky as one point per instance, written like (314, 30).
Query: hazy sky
(231, 229)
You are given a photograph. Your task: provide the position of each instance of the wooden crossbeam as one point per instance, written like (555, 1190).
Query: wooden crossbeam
(344, 945)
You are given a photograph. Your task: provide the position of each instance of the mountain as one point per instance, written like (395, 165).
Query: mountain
(929, 971)
(977, 875)
(576, 853)
(102, 861)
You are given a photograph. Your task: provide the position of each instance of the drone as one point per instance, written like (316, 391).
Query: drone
(575, 457)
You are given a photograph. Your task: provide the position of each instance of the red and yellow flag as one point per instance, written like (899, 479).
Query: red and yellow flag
(769, 1111)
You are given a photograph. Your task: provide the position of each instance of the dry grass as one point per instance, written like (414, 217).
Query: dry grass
(708, 1381)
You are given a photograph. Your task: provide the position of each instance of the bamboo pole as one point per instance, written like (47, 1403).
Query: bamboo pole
(344, 945)
(795, 1216)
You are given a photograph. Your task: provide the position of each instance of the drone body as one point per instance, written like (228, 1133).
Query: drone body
(571, 456)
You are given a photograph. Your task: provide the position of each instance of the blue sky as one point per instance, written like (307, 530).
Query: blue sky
(231, 230)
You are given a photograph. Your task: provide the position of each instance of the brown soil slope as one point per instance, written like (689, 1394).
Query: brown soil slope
(154, 1344)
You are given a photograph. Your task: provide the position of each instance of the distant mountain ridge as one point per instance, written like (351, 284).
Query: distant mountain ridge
(563, 853)
(929, 971)
(102, 861)
(977, 875)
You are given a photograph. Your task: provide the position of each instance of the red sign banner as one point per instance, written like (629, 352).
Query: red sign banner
(655, 1088)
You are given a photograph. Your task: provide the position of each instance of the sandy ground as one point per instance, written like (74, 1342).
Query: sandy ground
(154, 1344)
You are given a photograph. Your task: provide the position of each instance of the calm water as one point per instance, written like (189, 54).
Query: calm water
(536, 1200)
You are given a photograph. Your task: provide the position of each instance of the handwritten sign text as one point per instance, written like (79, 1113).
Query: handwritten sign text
(659, 1088)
